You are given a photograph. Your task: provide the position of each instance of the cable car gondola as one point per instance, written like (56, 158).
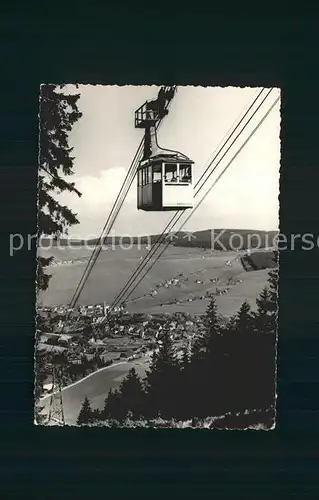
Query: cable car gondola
(164, 177)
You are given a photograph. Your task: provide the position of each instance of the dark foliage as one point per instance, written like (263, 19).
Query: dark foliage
(229, 370)
(58, 113)
(162, 379)
(86, 414)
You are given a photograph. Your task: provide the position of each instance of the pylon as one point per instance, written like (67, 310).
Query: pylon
(56, 413)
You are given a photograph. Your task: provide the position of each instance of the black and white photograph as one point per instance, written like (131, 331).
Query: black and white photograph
(157, 256)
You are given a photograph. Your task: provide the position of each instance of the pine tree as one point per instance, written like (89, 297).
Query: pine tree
(263, 301)
(266, 316)
(263, 316)
(162, 379)
(215, 365)
(258, 353)
(86, 413)
(241, 349)
(58, 114)
(211, 319)
(244, 318)
(105, 413)
(96, 415)
(203, 365)
(207, 364)
(204, 342)
(113, 407)
(131, 394)
(267, 353)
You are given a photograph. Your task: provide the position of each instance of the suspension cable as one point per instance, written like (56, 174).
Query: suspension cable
(214, 183)
(99, 245)
(211, 187)
(111, 218)
(179, 214)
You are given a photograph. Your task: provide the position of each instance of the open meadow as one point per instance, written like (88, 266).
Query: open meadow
(198, 272)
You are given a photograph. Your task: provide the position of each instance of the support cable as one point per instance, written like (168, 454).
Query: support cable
(193, 211)
(176, 217)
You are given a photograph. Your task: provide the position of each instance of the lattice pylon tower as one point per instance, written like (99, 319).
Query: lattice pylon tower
(56, 413)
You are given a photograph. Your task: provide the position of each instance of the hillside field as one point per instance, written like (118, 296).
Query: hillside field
(114, 268)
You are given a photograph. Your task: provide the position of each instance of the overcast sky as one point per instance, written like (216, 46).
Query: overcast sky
(105, 141)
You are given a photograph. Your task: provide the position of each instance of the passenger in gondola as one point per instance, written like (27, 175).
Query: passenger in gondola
(187, 175)
(174, 177)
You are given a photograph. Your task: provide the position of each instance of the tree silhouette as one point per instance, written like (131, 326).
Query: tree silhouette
(58, 113)
(132, 395)
(162, 379)
(113, 407)
(264, 315)
(263, 302)
(265, 348)
(241, 350)
(211, 319)
(230, 369)
(207, 364)
(243, 319)
(86, 413)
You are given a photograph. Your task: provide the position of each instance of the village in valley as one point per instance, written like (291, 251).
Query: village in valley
(132, 336)
(91, 339)
(180, 331)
